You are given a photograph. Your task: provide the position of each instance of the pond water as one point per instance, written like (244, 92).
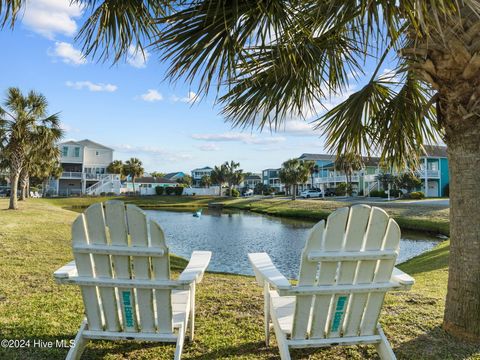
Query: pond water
(231, 235)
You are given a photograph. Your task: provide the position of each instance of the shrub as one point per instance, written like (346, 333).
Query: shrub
(446, 190)
(169, 190)
(159, 190)
(417, 195)
(235, 193)
(280, 193)
(111, 193)
(103, 193)
(341, 189)
(378, 193)
(178, 190)
(360, 193)
(395, 193)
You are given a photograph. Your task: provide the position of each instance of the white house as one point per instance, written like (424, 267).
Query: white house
(197, 174)
(84, 166)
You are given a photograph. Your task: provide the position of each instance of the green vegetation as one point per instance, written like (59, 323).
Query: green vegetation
(36, 241)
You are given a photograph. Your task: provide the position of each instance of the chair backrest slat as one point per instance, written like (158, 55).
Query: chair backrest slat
(117, 226)
(103, 269)
(137, 225)
(85, 268)
(358, 229)
(161, 271)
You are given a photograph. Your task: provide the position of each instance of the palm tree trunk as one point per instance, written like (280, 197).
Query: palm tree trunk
(23, 184)
(294, 192)
(14, 176)
(462, 308)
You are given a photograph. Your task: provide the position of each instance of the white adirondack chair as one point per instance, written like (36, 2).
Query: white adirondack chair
(346, 268)
(123, 270)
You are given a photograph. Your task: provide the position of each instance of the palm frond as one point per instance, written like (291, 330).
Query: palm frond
(9, 10)
(113, 26)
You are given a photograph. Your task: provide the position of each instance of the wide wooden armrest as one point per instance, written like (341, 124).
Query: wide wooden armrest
(403, 279)
(65, 272)
(265, 271)
(196, 266)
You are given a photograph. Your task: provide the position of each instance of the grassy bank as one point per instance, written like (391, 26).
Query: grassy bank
(409, 217)
(35, 241)
(432, 219)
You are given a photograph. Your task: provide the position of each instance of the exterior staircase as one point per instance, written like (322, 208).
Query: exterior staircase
(108, 183)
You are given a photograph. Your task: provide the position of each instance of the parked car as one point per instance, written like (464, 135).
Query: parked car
(248, 192)
(4, 192)
(310, 193)
(330, 192)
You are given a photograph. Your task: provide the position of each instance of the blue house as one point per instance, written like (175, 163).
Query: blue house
(434, 171)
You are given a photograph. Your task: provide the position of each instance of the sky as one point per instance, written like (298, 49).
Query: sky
(130, 107)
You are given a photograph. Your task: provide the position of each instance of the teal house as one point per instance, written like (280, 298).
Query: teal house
(434, 171)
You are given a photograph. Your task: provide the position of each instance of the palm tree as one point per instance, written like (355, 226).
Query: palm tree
(348, 163)
(282, 59)
(293, 172)
(219, 176)
(25, 128)
(232, 169)
(133, 168)
(186, 180)
(117, 167)
(46, 169)
(206, 181)
(312, 169)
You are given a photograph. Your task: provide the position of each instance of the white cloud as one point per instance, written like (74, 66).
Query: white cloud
(95, 87)
(51, 17)
(67, 53)
(190, 98)
(152, 95)
(239, 137)
(209, 147)
(136, 57)
(69, 128)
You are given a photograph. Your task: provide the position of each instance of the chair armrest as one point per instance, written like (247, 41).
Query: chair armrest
(403, 279)
(265, 271)
(196, 266)
(65, 272)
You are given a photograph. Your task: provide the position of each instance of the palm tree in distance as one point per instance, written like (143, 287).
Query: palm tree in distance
(292, 173)
(133, 168)
(312, 169)
(233, 174)
(348, 163)
(206, 181)
(219, 176)
(281, 59)
(117, 167)
(25, 128)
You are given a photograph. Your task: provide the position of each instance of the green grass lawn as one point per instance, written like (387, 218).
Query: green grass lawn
(35, 241)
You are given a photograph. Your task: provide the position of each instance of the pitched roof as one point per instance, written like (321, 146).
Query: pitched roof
(435, 151)
(368, 161)
(153, 180)
(307, 156)
(203, 168)
(93, 144)
(172, 174)
(253, 176)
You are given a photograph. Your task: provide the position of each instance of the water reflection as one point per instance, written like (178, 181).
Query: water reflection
(231, 235)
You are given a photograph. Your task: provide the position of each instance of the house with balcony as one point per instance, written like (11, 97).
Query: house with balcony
(271, 178)
(250, 181)
(327, 176)
(84, 166)
(197, 175)
(433, 171)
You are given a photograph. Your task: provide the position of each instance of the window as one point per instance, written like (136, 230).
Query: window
(97, 153)
(76, 152)
(65, 151)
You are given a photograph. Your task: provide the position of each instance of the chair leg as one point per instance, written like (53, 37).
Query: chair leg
(76, 350)
(180, 341)
(383, 347)
(192, 313)
(266, 310)
(281, 338)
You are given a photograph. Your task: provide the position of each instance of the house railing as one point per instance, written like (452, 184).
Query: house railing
(337, 179)
(429, 173)
(71, 175)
